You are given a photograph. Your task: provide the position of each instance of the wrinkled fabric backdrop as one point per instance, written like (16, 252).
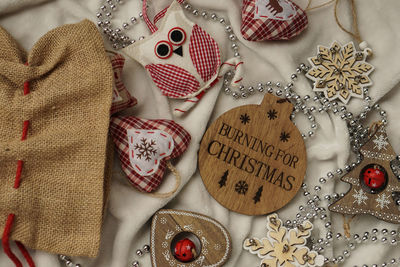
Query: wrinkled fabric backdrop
(127, 223)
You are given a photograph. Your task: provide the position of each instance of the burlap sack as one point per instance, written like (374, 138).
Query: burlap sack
(60, 202)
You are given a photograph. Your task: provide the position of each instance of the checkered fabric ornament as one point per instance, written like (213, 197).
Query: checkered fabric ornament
(272, 20)
(122, 99)
(181, 58)
(144, 147)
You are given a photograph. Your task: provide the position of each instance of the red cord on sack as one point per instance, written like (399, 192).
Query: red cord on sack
(6, 243)
(20, 163)
(25, 253)
(10, 219)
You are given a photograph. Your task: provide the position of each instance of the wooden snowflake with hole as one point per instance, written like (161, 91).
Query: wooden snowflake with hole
(283, 247)
(340, 72)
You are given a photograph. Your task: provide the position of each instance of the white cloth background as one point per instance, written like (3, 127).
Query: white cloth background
(129, 213)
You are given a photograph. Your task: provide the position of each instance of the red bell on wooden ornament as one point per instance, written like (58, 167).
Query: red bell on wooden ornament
(374, 177)
(185, 250)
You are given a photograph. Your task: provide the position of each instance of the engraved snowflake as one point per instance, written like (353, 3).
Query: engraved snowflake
(360, 197)
(284, 136)
(145, 149)
(340, 71)
(380, 142)
(283, 247)
(383, 201)
(272, 114)
(244, 118)
(241, 187)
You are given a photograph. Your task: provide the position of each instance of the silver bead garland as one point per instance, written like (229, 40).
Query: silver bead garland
(67, 261)
(140, 253)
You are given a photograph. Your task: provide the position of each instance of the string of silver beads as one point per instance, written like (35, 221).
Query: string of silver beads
(140, 253)
(312, 211)
(120, 39)
(67, 261)
(116, 35)
(317, 212)
(310, 105)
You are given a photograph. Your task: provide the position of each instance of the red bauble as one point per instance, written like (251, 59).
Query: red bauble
(374, 178)
(185, 250)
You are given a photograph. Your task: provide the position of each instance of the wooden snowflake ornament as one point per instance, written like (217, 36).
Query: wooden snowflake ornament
(284, 247)
(340, 72)
(374, 188)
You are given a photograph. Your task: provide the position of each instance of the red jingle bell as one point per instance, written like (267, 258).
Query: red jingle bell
(374, 177)
(185, 250)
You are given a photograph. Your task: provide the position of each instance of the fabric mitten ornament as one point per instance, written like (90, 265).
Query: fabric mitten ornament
(272, 20)
(145, 148)
(182, 59)
(121, 99)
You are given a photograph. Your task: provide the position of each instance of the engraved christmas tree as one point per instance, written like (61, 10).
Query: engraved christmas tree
(374, 187)
(257, 196)
(224, 177)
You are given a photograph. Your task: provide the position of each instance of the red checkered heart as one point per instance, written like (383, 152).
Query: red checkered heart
(144, 147)
(121, 98)
(272, 20)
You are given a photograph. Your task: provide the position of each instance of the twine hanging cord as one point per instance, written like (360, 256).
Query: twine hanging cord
(346, 225)
(356, 35)
(178, 180)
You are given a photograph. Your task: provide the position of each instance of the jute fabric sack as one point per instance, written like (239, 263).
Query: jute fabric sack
(62, 90)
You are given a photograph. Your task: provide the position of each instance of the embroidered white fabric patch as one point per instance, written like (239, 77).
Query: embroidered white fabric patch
(274, 9)
(147, 148)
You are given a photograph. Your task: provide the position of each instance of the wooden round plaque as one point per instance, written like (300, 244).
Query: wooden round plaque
(252, 159)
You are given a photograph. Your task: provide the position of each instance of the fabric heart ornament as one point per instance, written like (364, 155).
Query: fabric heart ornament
(121, 98)
(181, 58)
(145, 148)
(272, 20)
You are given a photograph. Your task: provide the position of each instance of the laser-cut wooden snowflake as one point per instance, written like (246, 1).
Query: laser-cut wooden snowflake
(283, 247)
(340, 71)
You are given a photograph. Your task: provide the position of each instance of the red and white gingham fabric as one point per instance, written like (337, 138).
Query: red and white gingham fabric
(122, 99)
(118, 129)
(204, 53)
(172, 80)
(260, 29)
(152, 26)
(176, 82)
